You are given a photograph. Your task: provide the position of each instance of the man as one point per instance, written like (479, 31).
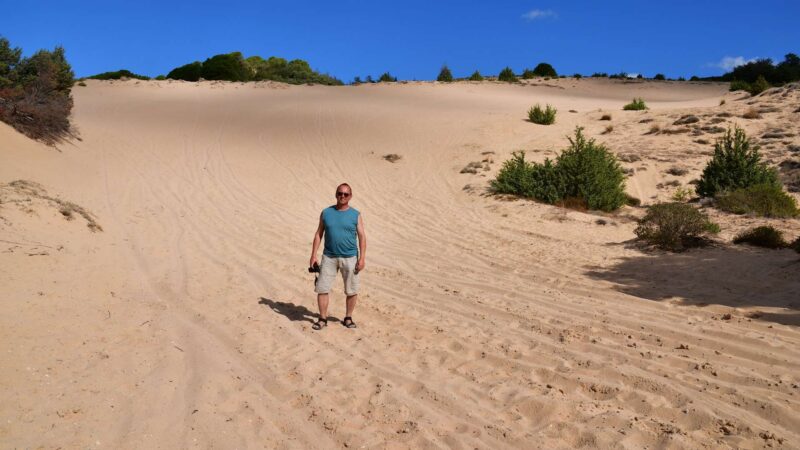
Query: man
(339, 224)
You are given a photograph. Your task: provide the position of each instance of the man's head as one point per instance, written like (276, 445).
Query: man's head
(343, 194)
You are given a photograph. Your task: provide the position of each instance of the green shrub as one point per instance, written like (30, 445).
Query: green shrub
(541, 116)
(187, 72)
(586, 173)
(527, 74)
(386, 77)
(765, 200)
(759, 86)
(544, 70)
(590, 171)
(577, 76)
(599, 75)
(739, 85)
(764, 236)
(636, 105)
(116, 75)
(445, 75)
(735, 165)
(507, 75)
(476, 76)
(660, 76)
(296, 71)
(160, 77)
(538, 181)
(227, 66)
(674, 226)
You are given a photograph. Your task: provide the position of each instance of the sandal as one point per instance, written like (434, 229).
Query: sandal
(320, 324)
(348, 322)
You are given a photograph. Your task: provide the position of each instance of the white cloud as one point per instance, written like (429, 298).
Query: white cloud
(729, 62)
(539, 14)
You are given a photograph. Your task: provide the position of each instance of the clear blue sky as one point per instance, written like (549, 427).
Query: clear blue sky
(411, 39)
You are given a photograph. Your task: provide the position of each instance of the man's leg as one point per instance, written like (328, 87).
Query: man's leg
(351, 304)
(322, 302)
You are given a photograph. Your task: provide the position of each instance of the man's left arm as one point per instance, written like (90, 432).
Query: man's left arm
(362, 244)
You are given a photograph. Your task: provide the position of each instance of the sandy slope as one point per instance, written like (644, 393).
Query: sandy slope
(484, 323)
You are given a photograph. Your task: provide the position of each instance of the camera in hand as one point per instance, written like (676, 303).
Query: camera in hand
(314, 268)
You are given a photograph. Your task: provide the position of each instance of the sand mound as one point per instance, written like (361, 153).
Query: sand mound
(484, 322)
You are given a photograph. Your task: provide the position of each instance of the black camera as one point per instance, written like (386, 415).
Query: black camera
(314, 268)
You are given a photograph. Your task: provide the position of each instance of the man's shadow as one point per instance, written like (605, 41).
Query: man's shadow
(291, 311)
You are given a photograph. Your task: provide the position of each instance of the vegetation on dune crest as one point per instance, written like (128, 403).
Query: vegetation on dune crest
(545, 70)
(234, 67)
(586, 173)
(386, 77)
(507, 75)
(476, 76)
(541, 116)
(445, 75)
(660, 76)
(35, 92)
(116, 75)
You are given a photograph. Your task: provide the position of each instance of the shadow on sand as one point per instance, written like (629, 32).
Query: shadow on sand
(293, 312)
(732, 276)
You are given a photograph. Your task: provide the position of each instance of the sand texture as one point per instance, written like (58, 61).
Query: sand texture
(154, 292)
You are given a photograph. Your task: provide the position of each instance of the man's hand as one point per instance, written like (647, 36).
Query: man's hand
(360, 265)
(312, 261)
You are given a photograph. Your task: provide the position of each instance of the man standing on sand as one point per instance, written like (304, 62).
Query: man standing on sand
(339, 224)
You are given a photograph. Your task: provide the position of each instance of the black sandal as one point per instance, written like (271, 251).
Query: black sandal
(348, 322)
(320, 324)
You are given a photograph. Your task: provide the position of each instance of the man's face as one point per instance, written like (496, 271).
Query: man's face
(343, 195)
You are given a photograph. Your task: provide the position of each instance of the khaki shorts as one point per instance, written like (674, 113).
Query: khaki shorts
(327, 273)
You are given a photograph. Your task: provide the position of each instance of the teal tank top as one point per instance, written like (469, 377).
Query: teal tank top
(340, 232)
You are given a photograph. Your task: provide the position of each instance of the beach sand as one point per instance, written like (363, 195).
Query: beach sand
(182, 317)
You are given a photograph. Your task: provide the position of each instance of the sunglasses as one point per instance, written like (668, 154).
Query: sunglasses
(343, 194)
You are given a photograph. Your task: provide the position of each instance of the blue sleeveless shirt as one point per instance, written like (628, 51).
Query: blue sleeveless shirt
(340, 232)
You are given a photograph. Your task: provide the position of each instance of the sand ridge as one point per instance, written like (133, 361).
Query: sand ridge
(484, 323)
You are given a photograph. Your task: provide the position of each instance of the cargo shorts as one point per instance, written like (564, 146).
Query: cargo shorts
(327, 273)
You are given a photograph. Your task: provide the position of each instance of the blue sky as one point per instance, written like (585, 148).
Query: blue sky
(411, 39)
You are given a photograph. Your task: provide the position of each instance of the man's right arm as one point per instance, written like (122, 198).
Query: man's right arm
(317, 240)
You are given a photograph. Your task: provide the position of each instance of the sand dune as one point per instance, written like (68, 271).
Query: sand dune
(483, 322)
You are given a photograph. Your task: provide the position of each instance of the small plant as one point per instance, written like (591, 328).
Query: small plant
(445, 75)
(386, 77)
(636, 105)
(160, 77)
(722, 102)
(654, 129)
(476, 76)
(608, 129)
(392, 157)
(682, 194)
(764, 236)
(577, 76)
(507, 75)
(527, 74)
(677, 171)
(81, 83)
(606, 117)
(735, 165)
(765, 200)
(674, 226)
(541, 116)
(660, 76)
